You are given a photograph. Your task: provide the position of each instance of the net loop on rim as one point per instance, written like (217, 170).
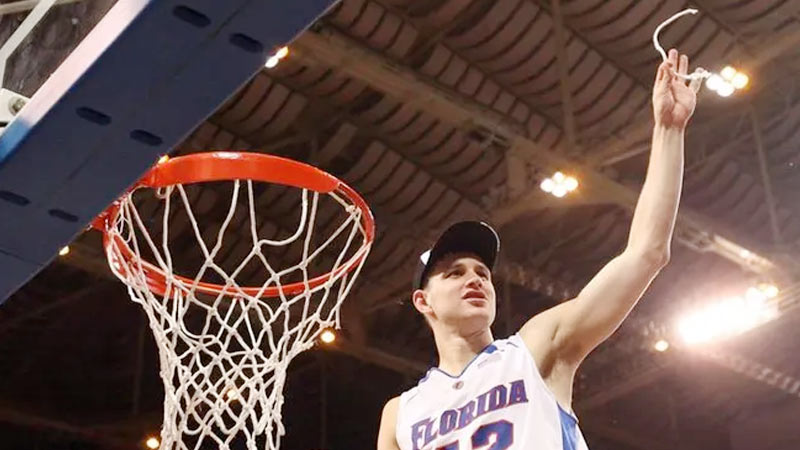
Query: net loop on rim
(227, 333)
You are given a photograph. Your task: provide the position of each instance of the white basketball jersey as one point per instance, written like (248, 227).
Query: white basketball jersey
(499, 402)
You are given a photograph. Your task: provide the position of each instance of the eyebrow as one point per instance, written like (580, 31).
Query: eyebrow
(481, 266)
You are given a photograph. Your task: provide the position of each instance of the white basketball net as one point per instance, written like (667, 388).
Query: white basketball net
(224, 357)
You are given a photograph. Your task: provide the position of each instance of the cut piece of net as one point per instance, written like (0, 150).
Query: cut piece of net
(224, 356)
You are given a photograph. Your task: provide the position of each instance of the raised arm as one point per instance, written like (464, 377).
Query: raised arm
(569, 331)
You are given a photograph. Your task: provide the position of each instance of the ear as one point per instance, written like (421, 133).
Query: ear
(420, 299)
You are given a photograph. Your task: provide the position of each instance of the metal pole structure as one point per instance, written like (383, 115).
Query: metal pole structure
(323, 405)
(84, 293)
(87, 434)
(26, 5)
(333, 49)
(766, 181)
(562, 59)
(137, 369)
(22, 32)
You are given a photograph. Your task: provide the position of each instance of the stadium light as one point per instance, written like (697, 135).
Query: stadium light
(328, 336)
(661, 346)
(231, 394)
(152, 442)
(730, 316)
(727, 81)
(559, 184)
(64, 251)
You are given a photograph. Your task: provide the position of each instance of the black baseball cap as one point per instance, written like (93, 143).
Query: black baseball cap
(473, 237)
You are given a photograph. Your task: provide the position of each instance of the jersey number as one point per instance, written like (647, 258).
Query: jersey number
(502, 430)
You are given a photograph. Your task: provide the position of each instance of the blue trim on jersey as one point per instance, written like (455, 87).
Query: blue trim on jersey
(569, 430)
(489, 349)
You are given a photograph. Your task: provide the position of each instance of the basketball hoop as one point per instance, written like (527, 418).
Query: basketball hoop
(227, 334)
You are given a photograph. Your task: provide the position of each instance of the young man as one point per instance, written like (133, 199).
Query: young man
(516, 393)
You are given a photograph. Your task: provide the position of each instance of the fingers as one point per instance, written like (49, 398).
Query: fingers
(677, 62)
(683, 65)
(663, 72)
(667, 67)
(673, 58)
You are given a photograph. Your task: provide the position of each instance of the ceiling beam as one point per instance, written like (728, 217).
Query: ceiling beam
(619, 434)
(335, 50)
(615, 149)
(730, 148)
(774, 48)
(380, 357)
(627, 386)
(562, 59)
(420, 24)
(14, 416)
(84, 293)
(752, 370)
(85, 255)
(398, 223)
(26, 5)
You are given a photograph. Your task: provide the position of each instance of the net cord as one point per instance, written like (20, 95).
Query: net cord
(226, 379)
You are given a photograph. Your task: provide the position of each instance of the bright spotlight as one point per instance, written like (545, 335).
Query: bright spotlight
(559, 184)
(770, 290)
(736, 315)
(725, 90)
(232, 394)
(64, 251)
(693, 330)
(714, 82)
(152, 442)
(571, 184)
(163, 159)
(727, 318)
(728, 73)
(661, 346)
(727, 81)
(740, 81)
(755, 295)
(328, 336)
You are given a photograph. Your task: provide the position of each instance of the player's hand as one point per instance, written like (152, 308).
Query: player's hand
(673, 100)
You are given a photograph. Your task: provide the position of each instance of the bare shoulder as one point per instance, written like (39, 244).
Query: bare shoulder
(391, 407)
(387, 433)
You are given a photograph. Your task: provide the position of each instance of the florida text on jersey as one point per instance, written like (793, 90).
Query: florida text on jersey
(498, 402)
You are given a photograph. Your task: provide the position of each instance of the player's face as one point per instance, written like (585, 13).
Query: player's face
(460, 292)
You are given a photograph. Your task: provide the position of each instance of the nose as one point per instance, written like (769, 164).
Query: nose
(475, 282)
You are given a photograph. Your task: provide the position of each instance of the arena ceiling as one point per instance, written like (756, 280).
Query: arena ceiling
(449, 109)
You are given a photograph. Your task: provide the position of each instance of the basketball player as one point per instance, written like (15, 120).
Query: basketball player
(516, 393)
